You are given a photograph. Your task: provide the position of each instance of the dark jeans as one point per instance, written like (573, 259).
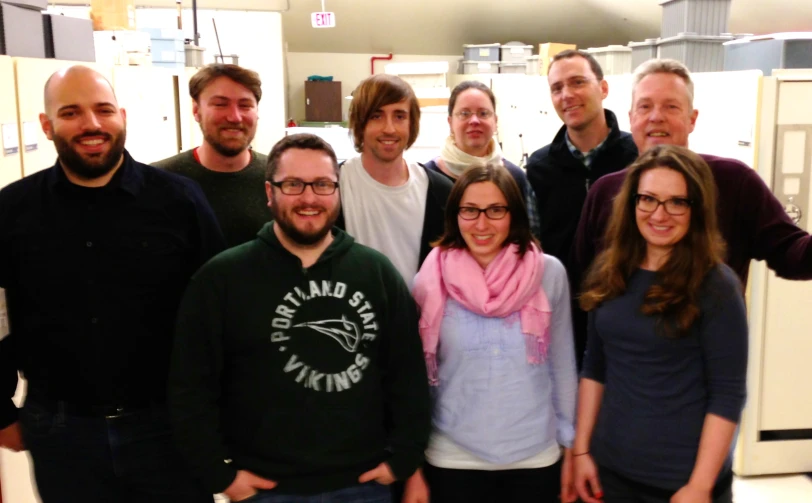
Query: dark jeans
(535, 485)
(371, 492)
(619, 489)
(126, 459)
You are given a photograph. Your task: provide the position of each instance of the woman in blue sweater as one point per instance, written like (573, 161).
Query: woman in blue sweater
(663, 382)
(497, 336)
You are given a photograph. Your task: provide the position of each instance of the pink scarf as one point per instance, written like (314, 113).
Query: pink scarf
(509, 284)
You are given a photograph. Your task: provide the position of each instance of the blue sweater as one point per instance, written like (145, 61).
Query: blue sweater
(490, 401)
(658, 389)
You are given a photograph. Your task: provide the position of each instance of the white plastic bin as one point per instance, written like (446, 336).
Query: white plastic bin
(614, 59)
(194, 55)
(769, 52)
(515, 52)
(516, 68)
(474, 67)
(703, 17)
(532, 67)
(700, 53)
(481, 52)
(427, 74)
(643, 51)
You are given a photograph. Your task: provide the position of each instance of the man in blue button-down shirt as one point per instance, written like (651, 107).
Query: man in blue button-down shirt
(95, 254)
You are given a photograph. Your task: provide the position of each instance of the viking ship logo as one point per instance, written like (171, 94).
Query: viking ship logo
(343, 331)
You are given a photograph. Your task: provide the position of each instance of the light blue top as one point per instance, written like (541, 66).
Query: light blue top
(493, 403)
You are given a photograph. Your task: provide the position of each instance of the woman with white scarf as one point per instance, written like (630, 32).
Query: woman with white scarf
(472, 119)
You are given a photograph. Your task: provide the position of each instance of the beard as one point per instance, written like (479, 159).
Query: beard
(90, 167)
(227, 150)
(298, 236)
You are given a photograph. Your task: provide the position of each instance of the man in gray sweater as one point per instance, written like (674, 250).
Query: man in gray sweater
(225, 100)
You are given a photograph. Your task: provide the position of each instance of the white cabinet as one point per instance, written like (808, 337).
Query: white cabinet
(777, 421)
(727, 104)
(619, 99)
(527, 119)
(12, 147)
(148, 96)
(190, 134)
(16, 472)
(31, 75)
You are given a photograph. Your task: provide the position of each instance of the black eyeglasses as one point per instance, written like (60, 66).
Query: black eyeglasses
(296, 187)
(675, 206)
(491, 212)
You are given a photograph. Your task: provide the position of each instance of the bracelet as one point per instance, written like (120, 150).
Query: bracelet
(581, 454)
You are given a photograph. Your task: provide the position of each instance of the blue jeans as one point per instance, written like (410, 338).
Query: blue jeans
(125, 459)
(371, 492)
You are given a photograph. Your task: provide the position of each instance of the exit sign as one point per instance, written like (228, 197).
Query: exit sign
(323, 19)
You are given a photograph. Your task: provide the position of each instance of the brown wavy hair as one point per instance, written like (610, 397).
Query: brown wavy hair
(243, 76)
(497, 174)
(674, 296)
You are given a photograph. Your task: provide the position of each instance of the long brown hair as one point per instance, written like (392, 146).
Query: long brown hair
(674, 296)
(497, 174)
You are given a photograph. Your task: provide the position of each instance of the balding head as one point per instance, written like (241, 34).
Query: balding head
(84, 121)
(75, 78)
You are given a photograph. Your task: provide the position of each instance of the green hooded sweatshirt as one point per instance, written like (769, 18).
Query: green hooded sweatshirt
(308, 377)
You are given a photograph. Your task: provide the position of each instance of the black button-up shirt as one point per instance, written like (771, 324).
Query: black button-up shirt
(93, 279)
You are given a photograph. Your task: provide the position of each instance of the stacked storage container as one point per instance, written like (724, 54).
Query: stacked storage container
(532, 67)
(702, 17)
(643, 51)
(700, 53)
(514, 57)
(769, 52)
(692, 32)
(614, 59)
(167, 47)
(481, 58)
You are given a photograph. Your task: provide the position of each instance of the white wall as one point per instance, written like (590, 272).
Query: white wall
(349, 69)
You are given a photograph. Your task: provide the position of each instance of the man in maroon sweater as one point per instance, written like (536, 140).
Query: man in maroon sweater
(752, 221)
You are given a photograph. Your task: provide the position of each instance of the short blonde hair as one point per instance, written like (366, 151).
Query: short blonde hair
(671, 66)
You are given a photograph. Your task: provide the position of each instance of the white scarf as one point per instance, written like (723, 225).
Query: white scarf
(457, 162)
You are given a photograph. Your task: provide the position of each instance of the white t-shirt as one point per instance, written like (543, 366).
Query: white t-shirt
(443, 452)
(388, 219)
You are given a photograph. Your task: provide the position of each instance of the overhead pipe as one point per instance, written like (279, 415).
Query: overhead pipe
(194, 23)
(373, 59)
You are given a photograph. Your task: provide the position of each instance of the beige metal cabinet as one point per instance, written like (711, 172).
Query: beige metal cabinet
(776, 430)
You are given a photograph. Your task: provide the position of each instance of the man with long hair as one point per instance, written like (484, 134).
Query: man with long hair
(389, 204)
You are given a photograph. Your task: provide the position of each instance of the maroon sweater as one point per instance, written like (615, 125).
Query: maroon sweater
(752, 222)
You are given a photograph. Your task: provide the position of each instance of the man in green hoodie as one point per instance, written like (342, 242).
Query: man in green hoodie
(298, 368)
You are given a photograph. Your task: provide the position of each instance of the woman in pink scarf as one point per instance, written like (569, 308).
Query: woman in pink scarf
(497, 337)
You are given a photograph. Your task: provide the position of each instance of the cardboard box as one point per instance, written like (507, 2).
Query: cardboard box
(112, 14)
(547, 51)
(432, 102)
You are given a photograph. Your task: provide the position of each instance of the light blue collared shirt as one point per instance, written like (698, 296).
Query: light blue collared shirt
(493, 403)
